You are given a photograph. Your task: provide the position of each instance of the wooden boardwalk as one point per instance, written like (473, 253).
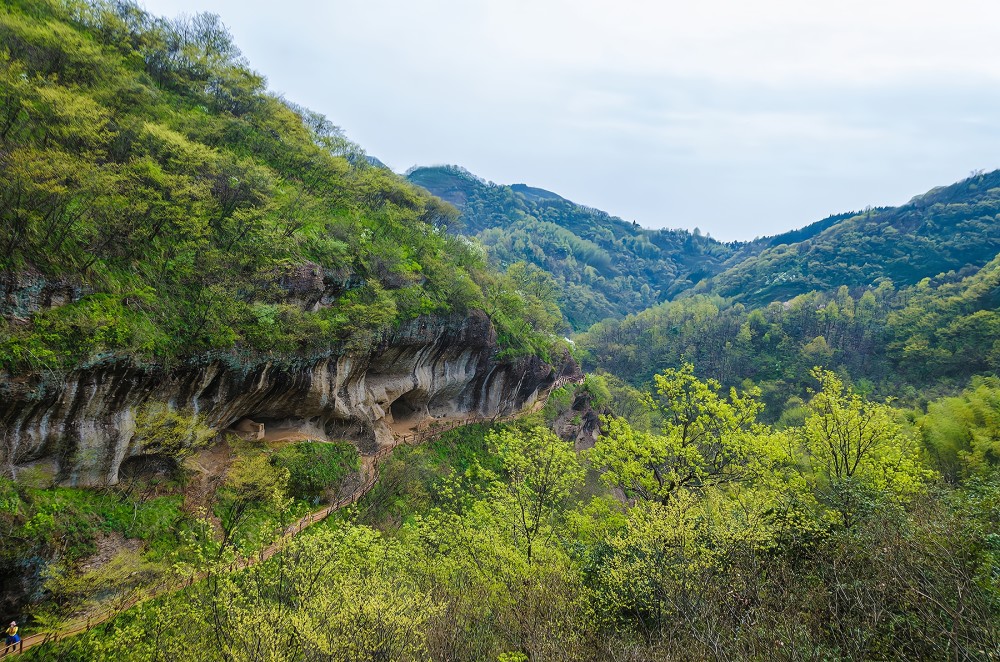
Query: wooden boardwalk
(370, 465)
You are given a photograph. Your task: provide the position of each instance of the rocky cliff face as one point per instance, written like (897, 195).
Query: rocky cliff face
(581, 423)
(430, 367)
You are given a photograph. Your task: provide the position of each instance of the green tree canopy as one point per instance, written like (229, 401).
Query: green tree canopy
(856, 447)
(704, 439)
(541, 471)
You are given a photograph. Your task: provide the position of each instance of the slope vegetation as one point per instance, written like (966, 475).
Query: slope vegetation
(950, 228)
(603, 266)
(156, 201)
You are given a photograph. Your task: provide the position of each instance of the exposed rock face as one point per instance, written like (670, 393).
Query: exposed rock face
(311, 287)
(23, 294)
(430, 367)
(580, 424)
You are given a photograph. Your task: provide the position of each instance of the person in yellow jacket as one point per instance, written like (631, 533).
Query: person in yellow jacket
(12, 637)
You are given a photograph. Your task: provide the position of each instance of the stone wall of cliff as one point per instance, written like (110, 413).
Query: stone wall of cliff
(85, 423)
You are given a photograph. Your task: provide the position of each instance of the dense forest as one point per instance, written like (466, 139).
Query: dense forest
(951, 228)
(606, 268)
(735, 540)
(787, 448)
(903, 343)
(602, 266)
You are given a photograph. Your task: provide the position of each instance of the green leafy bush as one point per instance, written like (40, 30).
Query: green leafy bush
(315, 467)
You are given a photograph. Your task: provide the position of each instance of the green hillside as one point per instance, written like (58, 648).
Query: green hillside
(147, 171)
(606, 267)
(950, 228)
(906, 343)
(784, 449)
(603, 266)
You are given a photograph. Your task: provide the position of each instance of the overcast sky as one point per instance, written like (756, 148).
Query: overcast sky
(740, 117)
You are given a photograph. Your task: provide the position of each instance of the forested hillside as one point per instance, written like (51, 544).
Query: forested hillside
(181, 249)
(950, 228)
(932, 335)
(603, 266)
(737, 540)
(324, 407)
(154, 189)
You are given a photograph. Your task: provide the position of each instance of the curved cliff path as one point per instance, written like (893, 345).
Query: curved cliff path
(402, 434)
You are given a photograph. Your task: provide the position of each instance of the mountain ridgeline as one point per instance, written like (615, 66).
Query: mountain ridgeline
(263, 399)
(948, 229)
(603, 266)
(606, 267)
(905, 343)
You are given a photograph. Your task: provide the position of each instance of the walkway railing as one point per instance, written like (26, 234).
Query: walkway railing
(81, 625)
(434, 430)
(12, 649)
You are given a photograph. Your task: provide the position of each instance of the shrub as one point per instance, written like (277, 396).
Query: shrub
(313, 466)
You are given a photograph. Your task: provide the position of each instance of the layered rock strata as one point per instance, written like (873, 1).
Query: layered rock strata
(85, 425)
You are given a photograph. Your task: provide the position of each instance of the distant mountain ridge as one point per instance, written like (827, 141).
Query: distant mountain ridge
(608, 267)
(949, 228)
(536, 194)
(604, 266)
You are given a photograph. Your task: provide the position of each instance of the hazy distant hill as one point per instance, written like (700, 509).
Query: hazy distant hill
(604, 266)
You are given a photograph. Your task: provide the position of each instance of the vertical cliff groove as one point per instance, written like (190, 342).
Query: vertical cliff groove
(428, 368)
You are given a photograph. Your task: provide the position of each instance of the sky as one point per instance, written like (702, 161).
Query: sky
(742, 118)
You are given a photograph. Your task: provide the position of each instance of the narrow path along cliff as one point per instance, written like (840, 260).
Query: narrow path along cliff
(427, 376)
(402, 434)
(85, 427)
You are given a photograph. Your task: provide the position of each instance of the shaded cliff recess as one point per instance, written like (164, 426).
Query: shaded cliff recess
(430, 368)
(182, 249)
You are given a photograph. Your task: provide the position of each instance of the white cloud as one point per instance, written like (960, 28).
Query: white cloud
(672, 113)
(761, 40)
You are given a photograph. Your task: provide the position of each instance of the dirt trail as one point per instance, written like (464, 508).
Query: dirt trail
(403, 433)
(209, 465)
(276, 435)
(411, 434)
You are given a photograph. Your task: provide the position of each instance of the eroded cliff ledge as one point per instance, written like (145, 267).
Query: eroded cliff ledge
(429, 368)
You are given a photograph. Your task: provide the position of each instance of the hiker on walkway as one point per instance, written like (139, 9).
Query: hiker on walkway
(12, 637)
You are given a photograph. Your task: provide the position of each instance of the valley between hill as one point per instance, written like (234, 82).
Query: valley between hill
(218, 316)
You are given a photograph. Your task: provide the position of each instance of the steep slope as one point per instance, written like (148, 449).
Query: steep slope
(430, 368)
(604, 266)
(951, 228)
(172, 232)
